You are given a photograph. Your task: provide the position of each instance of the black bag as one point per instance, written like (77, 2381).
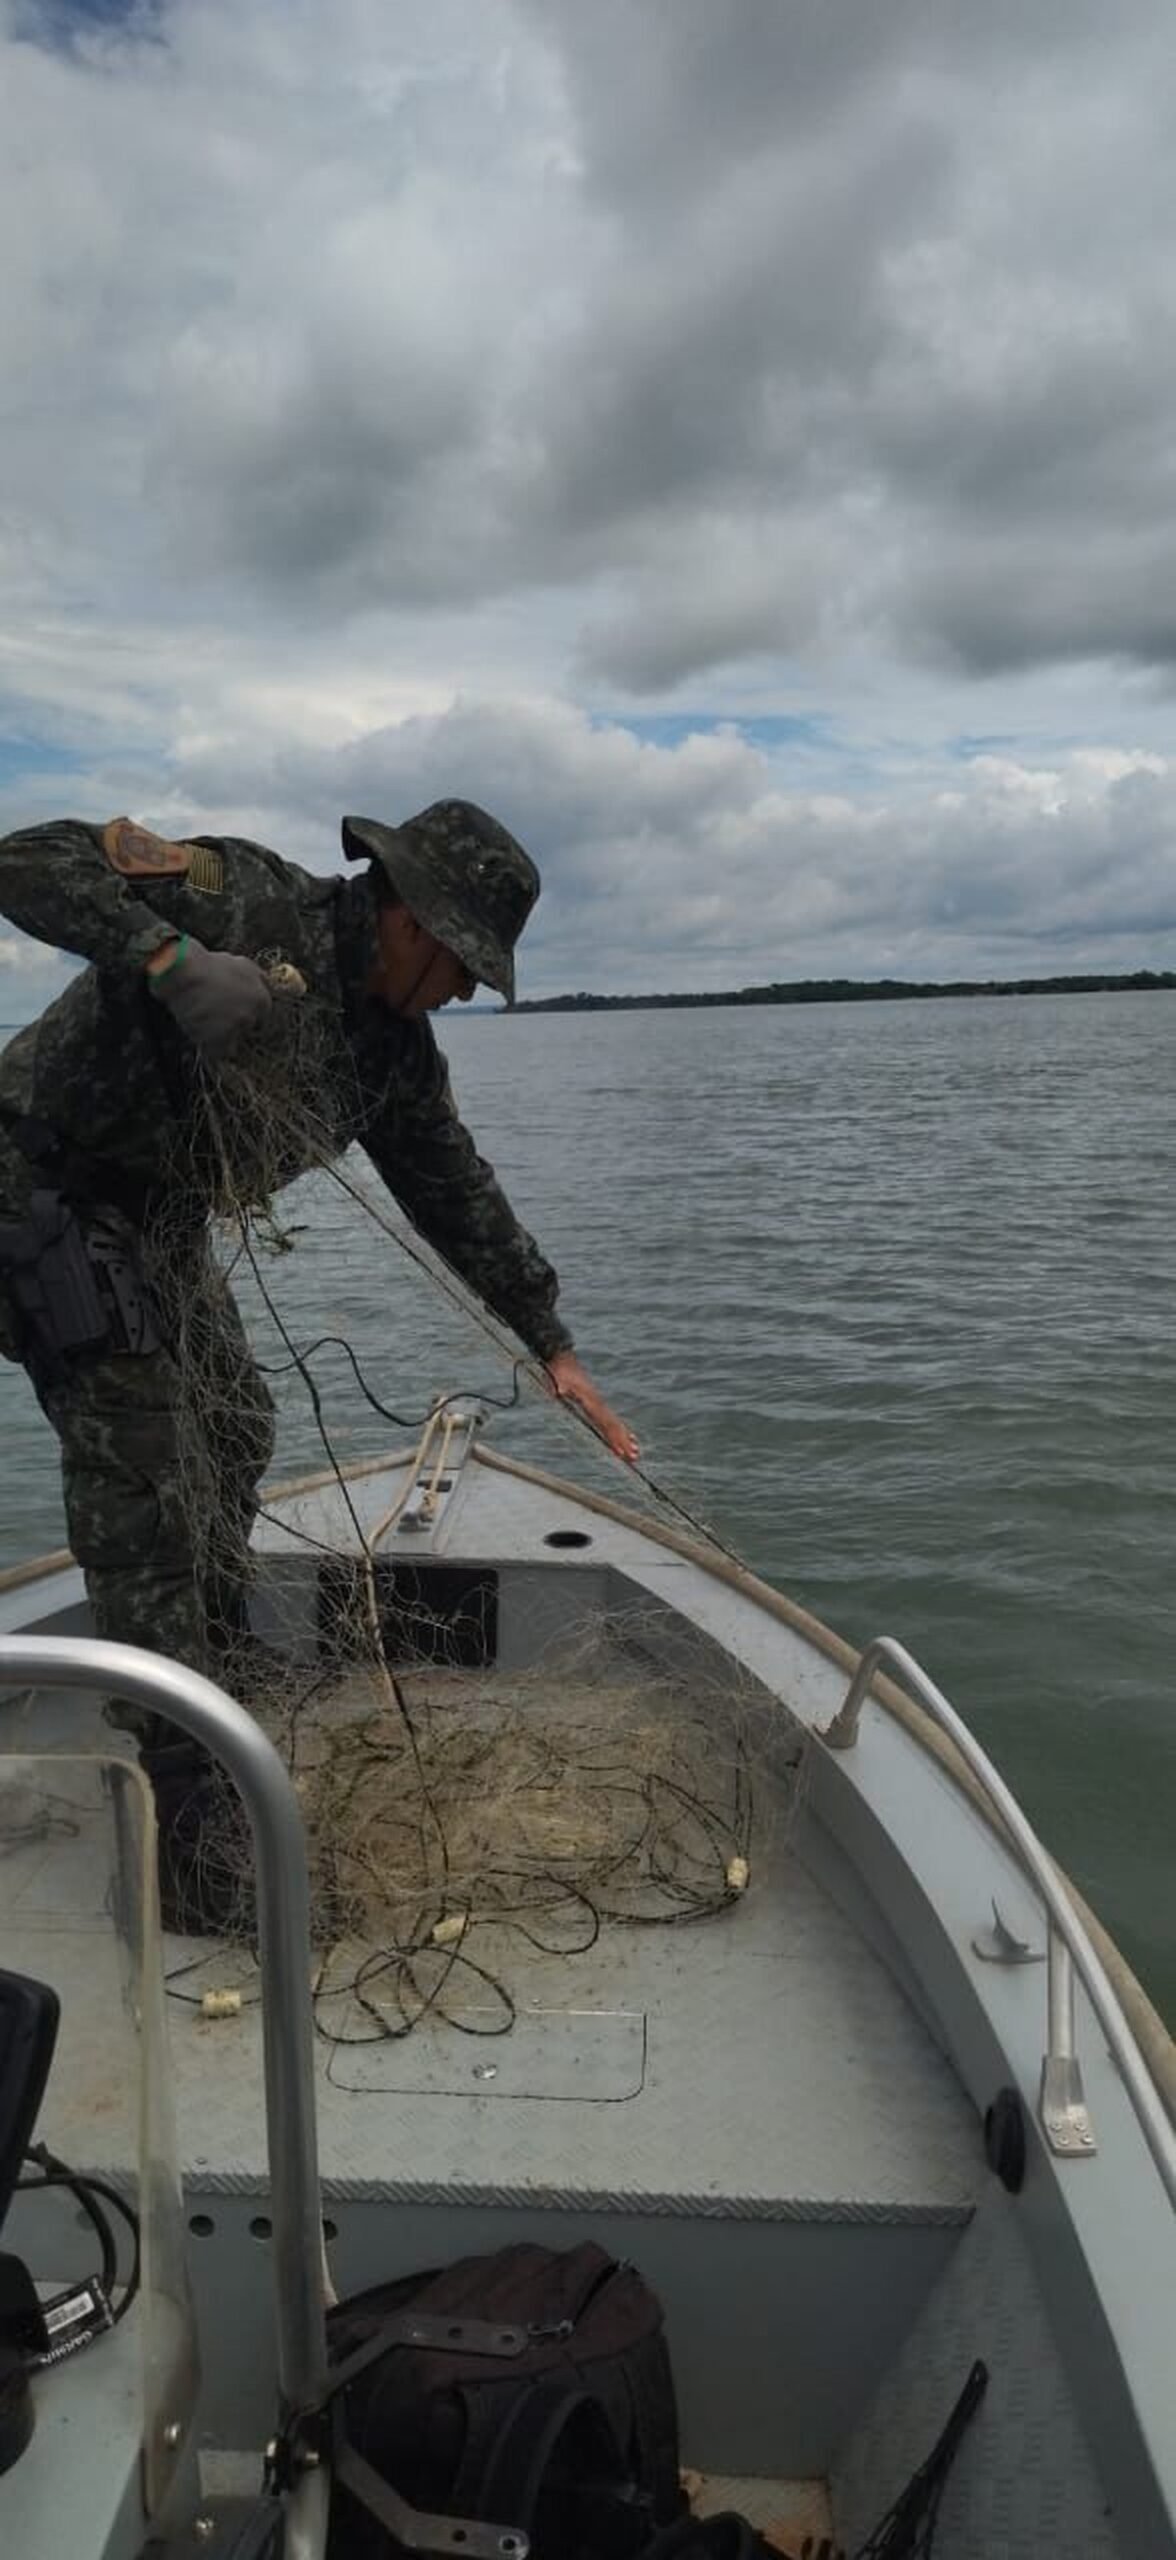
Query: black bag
(531, 2388)
(720, 2537)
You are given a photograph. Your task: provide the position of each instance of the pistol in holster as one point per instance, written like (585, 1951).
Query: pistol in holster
(74, 1289)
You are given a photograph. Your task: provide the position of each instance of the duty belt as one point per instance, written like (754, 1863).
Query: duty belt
(91, 1181)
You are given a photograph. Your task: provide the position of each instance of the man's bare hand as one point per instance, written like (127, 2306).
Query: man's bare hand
(572, 1382)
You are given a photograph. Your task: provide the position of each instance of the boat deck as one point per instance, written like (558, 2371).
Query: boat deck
(752, 2108)
(628, 2081)
(748, 2107)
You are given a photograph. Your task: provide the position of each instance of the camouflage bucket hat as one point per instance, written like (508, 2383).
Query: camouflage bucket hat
(462, 876)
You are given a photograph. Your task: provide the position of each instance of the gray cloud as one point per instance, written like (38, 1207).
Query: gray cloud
(502, 299)
(706, 863)
(393, 398)
(916, 310)
(711, 862)
(670, 94)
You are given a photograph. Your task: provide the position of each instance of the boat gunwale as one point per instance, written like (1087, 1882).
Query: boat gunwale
(1156, 2044)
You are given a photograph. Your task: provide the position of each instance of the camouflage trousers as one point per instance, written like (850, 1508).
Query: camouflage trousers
(162, 1454)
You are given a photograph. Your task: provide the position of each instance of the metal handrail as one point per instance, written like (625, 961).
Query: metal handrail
(186, 1699)
(1069, 1942)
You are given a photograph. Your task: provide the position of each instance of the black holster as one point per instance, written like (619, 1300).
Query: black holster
(74, 1289)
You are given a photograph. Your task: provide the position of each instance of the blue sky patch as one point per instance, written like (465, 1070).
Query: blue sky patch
(672, 728)
(20, 756)
(61, 25)
(1007, 742)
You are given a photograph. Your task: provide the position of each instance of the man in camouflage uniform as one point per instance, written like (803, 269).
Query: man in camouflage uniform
(210, 959)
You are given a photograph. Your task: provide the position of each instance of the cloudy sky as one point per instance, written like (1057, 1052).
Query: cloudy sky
(734, 440)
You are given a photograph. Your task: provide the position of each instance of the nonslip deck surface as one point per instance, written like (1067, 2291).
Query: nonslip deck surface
(762, 2063)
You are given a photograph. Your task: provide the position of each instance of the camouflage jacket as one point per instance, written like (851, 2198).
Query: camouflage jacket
(138, 1122)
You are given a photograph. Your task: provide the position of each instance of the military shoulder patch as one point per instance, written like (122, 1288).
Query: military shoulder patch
(139, 855)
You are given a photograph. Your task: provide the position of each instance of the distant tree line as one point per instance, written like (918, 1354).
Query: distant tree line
(861, 991)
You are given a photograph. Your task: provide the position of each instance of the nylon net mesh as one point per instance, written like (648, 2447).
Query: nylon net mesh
(464, 1823)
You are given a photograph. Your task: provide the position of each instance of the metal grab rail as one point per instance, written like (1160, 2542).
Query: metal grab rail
(1063, 2115)
(186, 1699)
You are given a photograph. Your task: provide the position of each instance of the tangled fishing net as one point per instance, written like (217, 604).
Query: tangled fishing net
(465, 1825)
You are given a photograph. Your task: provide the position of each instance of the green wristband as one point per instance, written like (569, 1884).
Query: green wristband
(173, 963)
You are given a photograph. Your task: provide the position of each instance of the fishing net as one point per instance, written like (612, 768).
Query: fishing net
(466, 1824)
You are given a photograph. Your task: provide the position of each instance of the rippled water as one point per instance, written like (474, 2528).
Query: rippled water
(888, 1291)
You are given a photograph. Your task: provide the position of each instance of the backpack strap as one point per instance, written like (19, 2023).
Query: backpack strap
(655, 2419)
(546, 2422)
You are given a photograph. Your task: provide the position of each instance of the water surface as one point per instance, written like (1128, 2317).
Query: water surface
(888, 1291)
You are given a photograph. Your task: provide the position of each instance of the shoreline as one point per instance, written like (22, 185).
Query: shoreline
(862, 991)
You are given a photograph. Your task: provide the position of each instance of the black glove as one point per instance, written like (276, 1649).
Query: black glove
(213, 997)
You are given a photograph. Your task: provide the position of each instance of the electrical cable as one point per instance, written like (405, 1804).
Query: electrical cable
(403, 1421)
(93, 2301)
